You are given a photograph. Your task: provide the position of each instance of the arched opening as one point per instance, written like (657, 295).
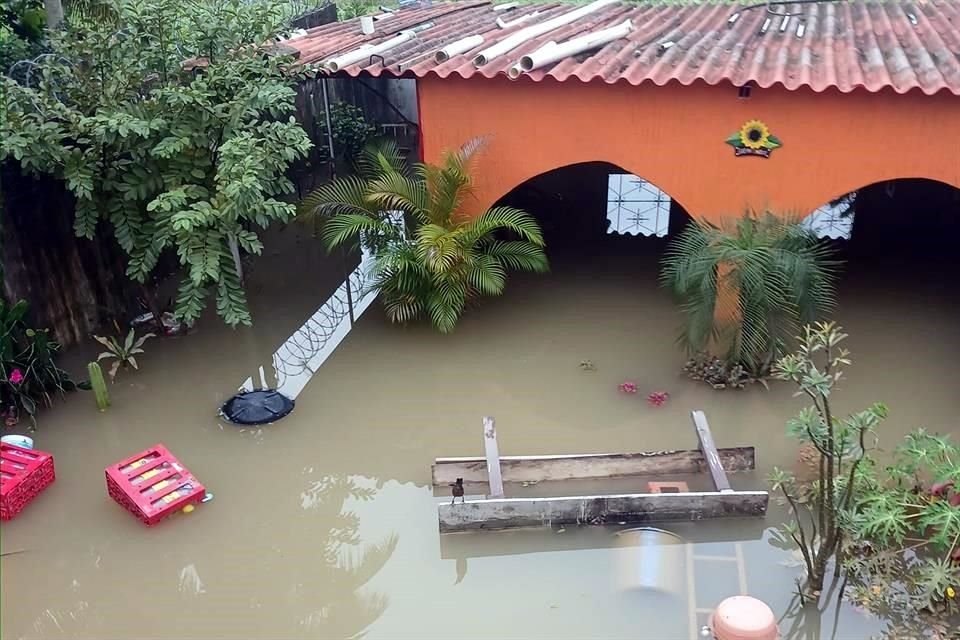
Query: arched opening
(899, 291)
(902, 229)
(598, 209)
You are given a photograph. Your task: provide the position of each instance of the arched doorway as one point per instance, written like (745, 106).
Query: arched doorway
(592, 209)
(880, 224)
(900, 277)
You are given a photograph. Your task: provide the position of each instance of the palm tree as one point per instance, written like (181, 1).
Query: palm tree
(432, 258)
(749, 285)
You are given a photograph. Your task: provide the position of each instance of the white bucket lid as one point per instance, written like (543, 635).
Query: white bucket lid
(20, 441)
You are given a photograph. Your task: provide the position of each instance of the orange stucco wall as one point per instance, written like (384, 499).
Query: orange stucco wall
(673, 136)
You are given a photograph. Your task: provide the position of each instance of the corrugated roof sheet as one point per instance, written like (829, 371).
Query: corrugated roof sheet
(847, 45)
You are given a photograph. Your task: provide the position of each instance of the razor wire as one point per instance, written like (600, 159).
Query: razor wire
(302, 354)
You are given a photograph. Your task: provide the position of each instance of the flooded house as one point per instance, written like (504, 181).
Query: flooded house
(614, 124)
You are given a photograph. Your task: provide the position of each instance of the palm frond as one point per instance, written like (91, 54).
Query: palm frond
(347, 228)
(379, 157)
(469, 150)
(341, 196)
(448, 187)
(439, 248)
(446, 304)
(487, 275)
(395, 191)
(505, 218)
(519, 255)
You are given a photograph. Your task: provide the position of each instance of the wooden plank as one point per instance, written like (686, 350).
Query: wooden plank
(493, 457)
(636, 508)
(590, 466)
(709, 450)
(518, 542)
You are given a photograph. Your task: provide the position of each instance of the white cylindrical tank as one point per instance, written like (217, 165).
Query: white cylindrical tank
(653, 560)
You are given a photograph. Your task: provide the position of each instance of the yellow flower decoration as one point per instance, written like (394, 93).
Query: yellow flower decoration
(951, 593)
(755, 135)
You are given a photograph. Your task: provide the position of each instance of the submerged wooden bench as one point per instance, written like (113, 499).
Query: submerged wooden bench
(499, 512)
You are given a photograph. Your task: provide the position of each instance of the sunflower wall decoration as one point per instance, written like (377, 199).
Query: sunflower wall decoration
(753, 139)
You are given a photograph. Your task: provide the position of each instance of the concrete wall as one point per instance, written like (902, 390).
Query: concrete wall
(674, 136)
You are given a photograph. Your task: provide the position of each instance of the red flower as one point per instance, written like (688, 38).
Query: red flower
(628, 387)
(16, 376)
(657, 398)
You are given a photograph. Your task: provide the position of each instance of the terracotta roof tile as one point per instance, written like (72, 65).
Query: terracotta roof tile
(847, 45)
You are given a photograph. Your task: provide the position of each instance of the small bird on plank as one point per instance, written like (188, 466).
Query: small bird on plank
(457, 490)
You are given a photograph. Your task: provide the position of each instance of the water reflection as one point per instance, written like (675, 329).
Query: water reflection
(806, 620)
(344, 612)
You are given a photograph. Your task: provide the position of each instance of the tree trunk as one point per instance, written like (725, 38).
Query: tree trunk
(817, 576)
(54, 9)
(235, 252)
(74, 286)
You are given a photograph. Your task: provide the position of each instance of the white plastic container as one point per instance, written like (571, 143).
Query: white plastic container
(19, 441)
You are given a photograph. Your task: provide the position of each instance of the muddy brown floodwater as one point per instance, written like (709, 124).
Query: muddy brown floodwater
(324, 525)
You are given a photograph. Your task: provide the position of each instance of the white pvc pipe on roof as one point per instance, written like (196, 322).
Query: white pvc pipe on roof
(365, 51)
(460, 46)
(552, 52)
(512, 42)
(506, 25)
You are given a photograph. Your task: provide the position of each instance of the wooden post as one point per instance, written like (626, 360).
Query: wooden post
(709, 450)
(493, 457)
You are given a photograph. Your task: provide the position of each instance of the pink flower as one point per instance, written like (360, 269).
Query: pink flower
(628, 387)
(16, 376)
(657, 398)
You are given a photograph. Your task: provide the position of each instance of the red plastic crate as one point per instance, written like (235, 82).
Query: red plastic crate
(153, 484)
(24, 473)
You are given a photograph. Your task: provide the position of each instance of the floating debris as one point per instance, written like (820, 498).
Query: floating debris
(587, 365)
(716, 372)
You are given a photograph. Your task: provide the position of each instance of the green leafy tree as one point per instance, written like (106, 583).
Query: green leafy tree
(748, 285)
(350, 131)
(171, 123)
(822, 508)
(349, 9)
(438, 259)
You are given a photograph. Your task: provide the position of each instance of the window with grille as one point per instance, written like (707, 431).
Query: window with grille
(636, 207)
(831, 221)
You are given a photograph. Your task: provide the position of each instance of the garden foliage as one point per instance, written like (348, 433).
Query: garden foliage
(170, 122)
